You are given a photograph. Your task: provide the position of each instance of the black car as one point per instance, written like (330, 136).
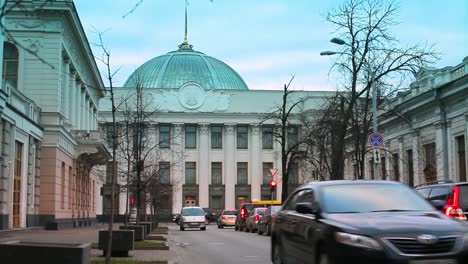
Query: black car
(210, 215)
(267, 220)
(366, 222)
(242, 215)
(449, 197)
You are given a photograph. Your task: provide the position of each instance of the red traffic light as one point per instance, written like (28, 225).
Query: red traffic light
(273, 184)
(132, 200)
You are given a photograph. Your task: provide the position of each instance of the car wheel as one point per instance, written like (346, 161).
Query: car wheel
(259, 231)
(221, 226)
(252, 230)
(181, 228)
(247, 228)
(277, 254)
(236, 228)
(268, 231)
(203, 228)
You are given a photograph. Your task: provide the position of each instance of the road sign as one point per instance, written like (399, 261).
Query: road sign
(273, 172)
(375, 140)
(377, 158)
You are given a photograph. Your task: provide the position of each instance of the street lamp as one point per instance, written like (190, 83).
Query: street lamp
(374, 96)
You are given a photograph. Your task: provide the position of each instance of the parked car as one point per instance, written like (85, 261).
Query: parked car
(192, 217)
(449, 197)
(365, 222)
(242, 215)
(227, 218)
(210, 215)
(251, 221)
(176, 218)
(267, 220)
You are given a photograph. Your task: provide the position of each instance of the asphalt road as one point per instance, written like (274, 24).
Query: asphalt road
(222, 246)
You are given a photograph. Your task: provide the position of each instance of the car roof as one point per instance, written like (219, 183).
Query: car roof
(348, 182)
(191, 207)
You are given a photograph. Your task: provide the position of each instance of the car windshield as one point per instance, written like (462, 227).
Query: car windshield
(229, 212)
(366, 198)
(463, 200)
(192, 212)
(260, 211)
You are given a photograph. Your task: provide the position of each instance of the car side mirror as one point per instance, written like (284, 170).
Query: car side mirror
(306, 208)
(438, 204)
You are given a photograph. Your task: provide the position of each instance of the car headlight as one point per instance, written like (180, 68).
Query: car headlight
(357, 241)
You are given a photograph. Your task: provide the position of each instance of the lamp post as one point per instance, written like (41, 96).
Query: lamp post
(374, 96)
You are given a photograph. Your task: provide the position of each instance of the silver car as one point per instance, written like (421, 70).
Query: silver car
(192, 217)
(251, 222)
(227, 218)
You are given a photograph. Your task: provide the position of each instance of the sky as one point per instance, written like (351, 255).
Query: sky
(265, 41)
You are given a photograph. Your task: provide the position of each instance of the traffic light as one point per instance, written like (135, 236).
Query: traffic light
(273, 184)
(132, 201)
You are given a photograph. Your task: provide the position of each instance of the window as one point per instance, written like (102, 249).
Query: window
(10, 64)
(293, 173)
(396, 167)
(266, 172)
(62, 184)
(216, 202)
(461, 157)
(424, 192)
(384, 169)
(409, 157)
(165, 202)
(216, 173)
(110, 133)
(292, 137)
(190, 173)
(292, 200)
(306, 196)
(216, 137)
(267, 137)
(242, 137)
(190, 137)
(242, 176)
(164, 136)
(430, 168)
(439, 193)
(164, 172)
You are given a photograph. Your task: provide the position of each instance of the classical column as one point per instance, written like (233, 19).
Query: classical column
(401, 164)
(441, 151)
(83, 110)
(86, 111)
(94, 119)
(418, 176)
(177, 175)
(255, 168)
(71, 97)
(451, 164)
(230, 166)
(77, 103)
(203, 165)
(65, 88)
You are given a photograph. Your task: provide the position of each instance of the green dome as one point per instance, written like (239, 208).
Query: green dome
(175, 68)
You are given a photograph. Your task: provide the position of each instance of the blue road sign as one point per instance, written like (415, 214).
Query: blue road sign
(376, 140)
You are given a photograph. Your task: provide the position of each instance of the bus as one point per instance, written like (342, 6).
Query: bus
(266, 203)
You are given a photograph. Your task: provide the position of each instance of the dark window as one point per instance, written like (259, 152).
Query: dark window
(10, 64)
(292, 137)
(190, 173)
(216, 173)
(430, 166)
(267, 137)
(461, 157)
(293, 173)
(164, 172)
(463, 197)
(439, 193)
(306, 196)
(109, 134)
(216, 202)
(409, 157)
(165, 202)
(190, 137)
(364, 198)
(216, 137)
(266, 172)
(424, 192)
(242, 137)
(164, 136)
(396, 167)
(291, 202)
(242, 176)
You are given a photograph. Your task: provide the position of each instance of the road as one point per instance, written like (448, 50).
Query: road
(224, 246)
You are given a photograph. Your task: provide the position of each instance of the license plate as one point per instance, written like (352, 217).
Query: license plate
(434, 261)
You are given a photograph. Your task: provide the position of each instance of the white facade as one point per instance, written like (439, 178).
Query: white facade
(426, 127)
(226, 109)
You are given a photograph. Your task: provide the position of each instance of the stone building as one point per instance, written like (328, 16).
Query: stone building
(425, 129)
(49, 133)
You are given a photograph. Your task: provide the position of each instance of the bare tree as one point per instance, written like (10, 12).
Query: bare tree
(370, 56)
(291, 151)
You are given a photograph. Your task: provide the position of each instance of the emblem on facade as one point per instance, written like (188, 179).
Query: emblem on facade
(191, 95)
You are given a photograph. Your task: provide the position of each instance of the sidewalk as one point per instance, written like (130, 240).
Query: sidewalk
(89, 235)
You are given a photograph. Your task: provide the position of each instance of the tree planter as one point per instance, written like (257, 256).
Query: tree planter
(139, 231)
(122, 242)
(22, 252)
(148, 226)
(147, 245)
(155, 237)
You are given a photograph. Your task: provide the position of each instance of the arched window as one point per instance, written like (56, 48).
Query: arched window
(10, 63)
